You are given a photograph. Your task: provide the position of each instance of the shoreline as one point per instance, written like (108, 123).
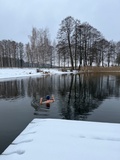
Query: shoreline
(17, 73)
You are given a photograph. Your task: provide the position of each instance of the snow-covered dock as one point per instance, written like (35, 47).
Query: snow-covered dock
(56, 139)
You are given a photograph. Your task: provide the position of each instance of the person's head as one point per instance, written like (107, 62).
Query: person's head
(47, 97)
(47, 105)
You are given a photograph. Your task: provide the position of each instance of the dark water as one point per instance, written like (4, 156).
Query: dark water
(86, 97)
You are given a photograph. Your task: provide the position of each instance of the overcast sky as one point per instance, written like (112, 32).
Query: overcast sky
(17, 17)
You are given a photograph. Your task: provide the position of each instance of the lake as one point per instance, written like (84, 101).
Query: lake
(86, 97)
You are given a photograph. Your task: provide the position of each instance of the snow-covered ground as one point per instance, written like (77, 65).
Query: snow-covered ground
(8, 73)
(65, 140)
(55, 139)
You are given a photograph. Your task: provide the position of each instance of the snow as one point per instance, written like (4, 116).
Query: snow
(56, 139)
(10, 73)
(19, 72)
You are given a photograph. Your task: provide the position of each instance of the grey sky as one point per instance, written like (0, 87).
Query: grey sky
(17, 17)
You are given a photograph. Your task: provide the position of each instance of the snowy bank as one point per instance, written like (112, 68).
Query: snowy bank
(8, 73)
(65, 140)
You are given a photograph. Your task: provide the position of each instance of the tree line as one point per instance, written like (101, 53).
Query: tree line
(82, 44)
(11, 53)
(77, 44)
(40, 50)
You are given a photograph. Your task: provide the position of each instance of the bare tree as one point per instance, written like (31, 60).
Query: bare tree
(110, 52)
(117, 58)
(21, 52)
(39, 48)
(65, 35)
(27, 51)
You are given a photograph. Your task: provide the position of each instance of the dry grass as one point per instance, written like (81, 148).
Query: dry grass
(100, 69)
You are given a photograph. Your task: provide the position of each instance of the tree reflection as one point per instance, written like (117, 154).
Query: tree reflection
(40, 87)
(86, 93)
(12, 89)
(77, 95)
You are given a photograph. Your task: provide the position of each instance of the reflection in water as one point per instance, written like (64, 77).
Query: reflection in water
(77, 95)
(84, 93)
(40, 86)
(12, 89)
